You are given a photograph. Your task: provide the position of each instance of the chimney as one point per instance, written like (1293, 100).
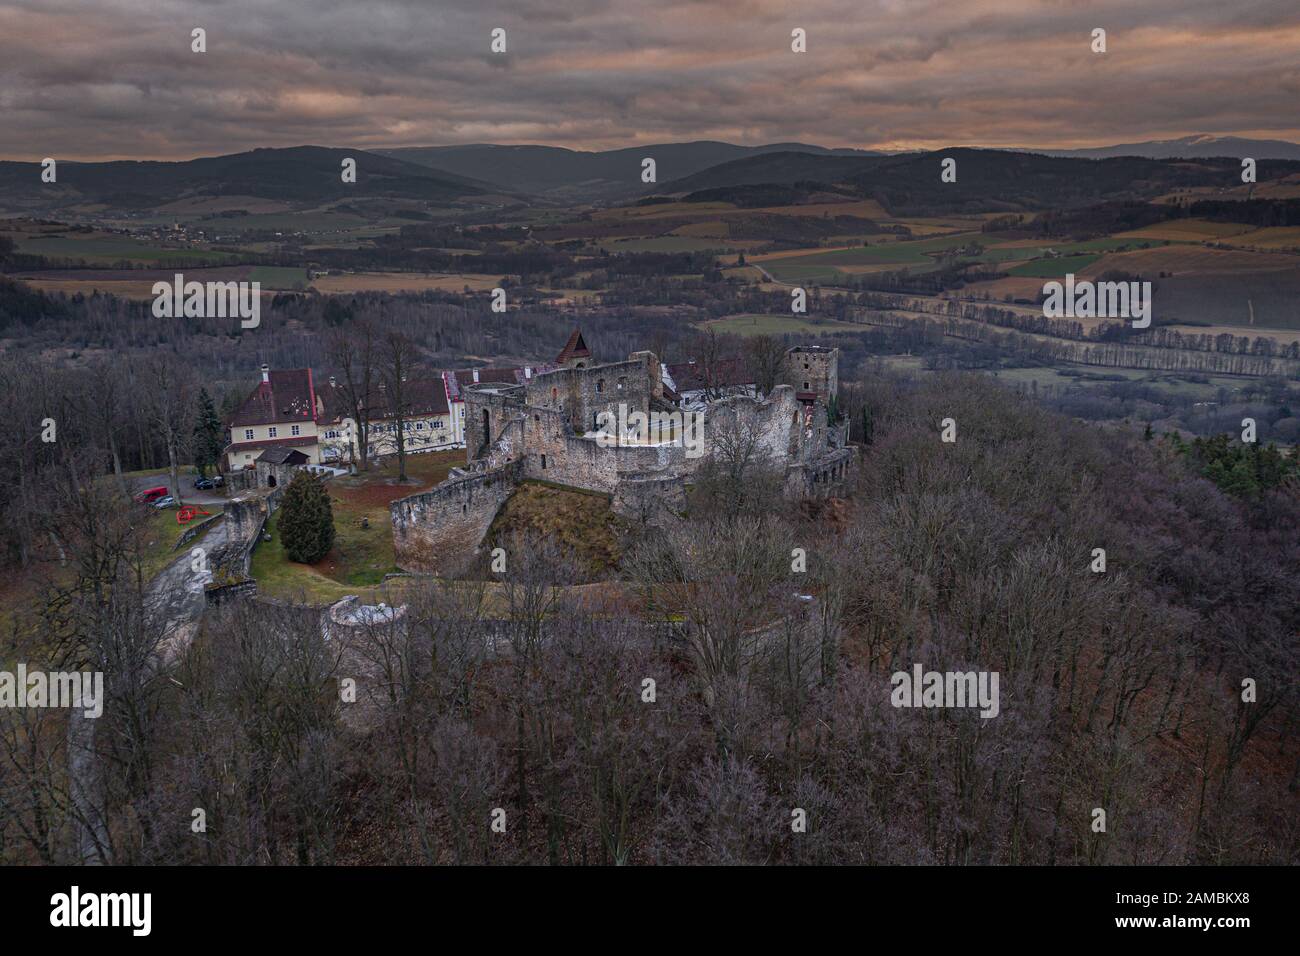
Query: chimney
(475, 376)
(266, 374)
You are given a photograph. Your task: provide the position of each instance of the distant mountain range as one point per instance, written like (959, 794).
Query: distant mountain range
(1188, 147)
(573, 174)
(297, 174)
(683, 168)
(988, 179)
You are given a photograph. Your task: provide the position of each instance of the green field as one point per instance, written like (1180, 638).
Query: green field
(662, 244)
(111, 249)
(279, 277)
(755, 324)
(921, 256)
(1053, 268)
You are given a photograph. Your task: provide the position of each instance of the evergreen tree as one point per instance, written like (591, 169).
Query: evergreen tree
(868, 426)
(306, 520)
(209, 439)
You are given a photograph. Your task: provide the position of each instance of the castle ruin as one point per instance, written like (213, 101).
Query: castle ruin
(569, 426)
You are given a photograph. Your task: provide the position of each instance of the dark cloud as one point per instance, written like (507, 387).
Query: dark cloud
(116, 78)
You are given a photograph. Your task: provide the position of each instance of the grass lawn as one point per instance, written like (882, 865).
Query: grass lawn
(361, 556)
(159, 534)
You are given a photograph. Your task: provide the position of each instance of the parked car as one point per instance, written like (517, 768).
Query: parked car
(166, 501)
(151, 495)
(203, 484)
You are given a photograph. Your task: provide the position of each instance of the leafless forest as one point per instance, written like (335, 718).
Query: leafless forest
(522, 700)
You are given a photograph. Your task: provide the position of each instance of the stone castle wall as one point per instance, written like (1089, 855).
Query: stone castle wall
(439, 531)
(582, 393)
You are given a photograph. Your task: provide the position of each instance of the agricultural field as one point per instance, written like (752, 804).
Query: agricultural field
(1187, 230)
(756, 324)
(138, 283)
(1194, 259)
(669, 243)
(403, 282)
(829, 266)
(1053, 268)
(107, 249)
(1275, 237)
(279, 277)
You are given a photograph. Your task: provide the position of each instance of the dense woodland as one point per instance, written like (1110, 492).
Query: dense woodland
(1120, 690)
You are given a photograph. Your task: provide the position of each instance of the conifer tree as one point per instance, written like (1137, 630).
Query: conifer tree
(306, 520)
(208, 438)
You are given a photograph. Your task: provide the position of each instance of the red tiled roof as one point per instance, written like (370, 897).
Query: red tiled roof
(574, 348)
(426, 396)
(286, 397)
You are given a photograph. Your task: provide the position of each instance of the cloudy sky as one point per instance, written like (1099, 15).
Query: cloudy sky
(116, 78)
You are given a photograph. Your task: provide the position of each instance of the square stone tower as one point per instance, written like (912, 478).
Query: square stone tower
(813, 370)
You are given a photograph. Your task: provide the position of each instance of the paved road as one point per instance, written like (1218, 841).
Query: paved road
(176, 594)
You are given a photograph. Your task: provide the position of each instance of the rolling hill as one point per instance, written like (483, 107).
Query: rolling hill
(571, 174)
(987, 180)
(307, 174)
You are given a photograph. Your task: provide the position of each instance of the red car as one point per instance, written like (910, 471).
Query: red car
(152, 494)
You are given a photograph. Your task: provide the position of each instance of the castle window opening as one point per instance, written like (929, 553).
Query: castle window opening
(600, 385)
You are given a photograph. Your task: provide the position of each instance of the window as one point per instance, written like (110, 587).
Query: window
(294, 430)
(600, 385)
(248, 434)
(622, 382)
(805, 386)
(419, 426)
(271, 432)
(543, 463)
